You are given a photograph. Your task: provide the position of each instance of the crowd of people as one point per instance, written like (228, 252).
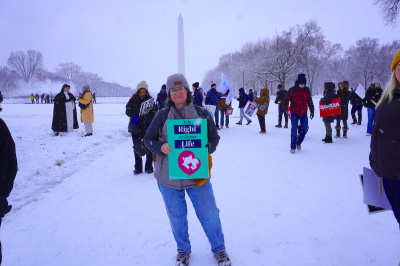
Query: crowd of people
(147, 125)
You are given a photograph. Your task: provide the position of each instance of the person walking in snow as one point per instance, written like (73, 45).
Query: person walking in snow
(243, 99)
(299, 98)
(356, 107)
(8, 170)
(329, 94)
(384, 157)
(162, 97)
(280, 97)
(197, 94)
(173, 191)
(262, 105)
(344, 95)
(87, 112)
(212, 97)
(64, 112)
(139, 122)
(372, 96)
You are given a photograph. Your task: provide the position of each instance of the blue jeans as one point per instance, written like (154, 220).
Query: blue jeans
(298, 132)
(203, 201)
(223, 115)
(371, 115)
(392, 191)
(216, 115)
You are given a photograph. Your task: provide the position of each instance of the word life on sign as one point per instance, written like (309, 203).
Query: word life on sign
(188, 141)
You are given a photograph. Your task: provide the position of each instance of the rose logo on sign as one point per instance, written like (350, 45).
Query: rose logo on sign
(188, 162)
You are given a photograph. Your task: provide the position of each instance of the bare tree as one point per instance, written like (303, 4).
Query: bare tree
(26, 64)
(390, 8)
(69, 72)
(8, 79)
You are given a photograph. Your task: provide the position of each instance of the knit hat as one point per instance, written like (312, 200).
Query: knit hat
(301, 79)
(396, 60)
(196, 85)
(86, 87)
(280, 86)
(142, 85)
(176, 80)
(164, 87)
(213, 84)
(251, 90)
(329, 86)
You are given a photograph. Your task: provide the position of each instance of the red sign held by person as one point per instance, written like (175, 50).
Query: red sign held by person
(331, 109)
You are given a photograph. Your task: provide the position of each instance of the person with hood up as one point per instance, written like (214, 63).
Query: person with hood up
(280, 97)
(64, 112)
(344, 95)
(162, 97)
(174, 191)
(372, 96)
(138, 124)
(251, 95)
(329, 94)
(262, 105)
(384, 157)
(87, 114)
(299, 98)
(212, 97)
(243, 99)
(197, 94)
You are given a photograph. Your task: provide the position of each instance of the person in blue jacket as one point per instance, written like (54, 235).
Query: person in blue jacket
(197, 94)
(212, 99)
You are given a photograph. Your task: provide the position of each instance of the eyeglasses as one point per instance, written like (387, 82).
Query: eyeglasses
(180, 90)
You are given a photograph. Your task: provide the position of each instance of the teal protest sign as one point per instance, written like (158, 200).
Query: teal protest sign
(189, 157)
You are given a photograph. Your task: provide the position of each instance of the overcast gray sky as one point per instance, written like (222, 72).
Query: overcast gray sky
(127, 41)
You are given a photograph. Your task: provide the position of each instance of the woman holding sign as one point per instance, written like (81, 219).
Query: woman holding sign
(175, 123)
(385, 139)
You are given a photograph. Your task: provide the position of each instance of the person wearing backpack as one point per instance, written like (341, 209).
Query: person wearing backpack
(262, 105)
(173, 191)
(87, 115)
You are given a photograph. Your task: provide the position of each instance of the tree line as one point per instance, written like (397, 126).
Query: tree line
(27, 67)
(304, 49)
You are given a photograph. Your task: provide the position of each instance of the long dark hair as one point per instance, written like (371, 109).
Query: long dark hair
(189, 98)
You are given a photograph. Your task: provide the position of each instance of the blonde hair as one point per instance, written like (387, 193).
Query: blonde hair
(392, 85)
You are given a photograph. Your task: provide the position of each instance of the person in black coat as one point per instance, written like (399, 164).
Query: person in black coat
(329, 94)
(64, 112)
(356, 107)
(385, 139)
(344, 95)
(8, 169)
(162, 97)
(138, 124)
(372, 96)
(280, 97)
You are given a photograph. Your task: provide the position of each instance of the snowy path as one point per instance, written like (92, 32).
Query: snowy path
(276, 208)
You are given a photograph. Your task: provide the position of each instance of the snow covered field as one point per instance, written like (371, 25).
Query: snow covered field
(76, 202)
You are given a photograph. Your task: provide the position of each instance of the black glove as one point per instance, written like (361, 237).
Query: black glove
(68, 100)
(4, 207)
(311, 115)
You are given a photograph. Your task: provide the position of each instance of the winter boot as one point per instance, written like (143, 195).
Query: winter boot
(345, 132)
(222, 258)
(182, 259)
(328, 139)
(248, 122)
(286, 125)
(337, 132)
(279, 125)
(293, 151)
(238, 123)
(354, 122)
(326, 136)
(359, 122)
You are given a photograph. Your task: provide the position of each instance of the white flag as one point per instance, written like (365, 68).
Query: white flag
(360, 91)
(223, 87)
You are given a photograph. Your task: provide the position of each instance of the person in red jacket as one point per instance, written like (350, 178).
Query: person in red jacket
(299, 97)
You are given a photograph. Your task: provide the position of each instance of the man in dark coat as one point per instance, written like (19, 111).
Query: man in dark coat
(212, 99)
(280, 97)
(299, 97)
(8, 169)
(162, 97)
(356, 107)
(61, 111)
(197, 94)
(372, 97)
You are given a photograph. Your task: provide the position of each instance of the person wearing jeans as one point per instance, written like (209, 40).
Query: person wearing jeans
(173, 190)
(371, 116)
(372, 97)
(243, 99)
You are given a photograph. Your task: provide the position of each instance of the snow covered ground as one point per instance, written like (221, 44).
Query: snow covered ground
(76, 202)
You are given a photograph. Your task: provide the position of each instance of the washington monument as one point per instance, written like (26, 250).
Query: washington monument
(181, 46)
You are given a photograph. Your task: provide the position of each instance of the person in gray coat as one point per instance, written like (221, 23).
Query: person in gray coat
(173, 191)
